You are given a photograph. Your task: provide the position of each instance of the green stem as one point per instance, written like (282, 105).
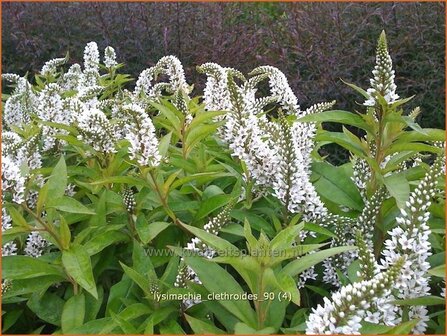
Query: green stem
(162, 198)
(47, 227)
(260, 312)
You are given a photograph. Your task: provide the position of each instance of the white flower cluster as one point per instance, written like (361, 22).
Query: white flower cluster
(368, 264)
(276, 155)
(50, 109)
(20, 157)
(303, 194)
(91, 56)
(129, 200)
(344, 228)
(97, 131)
(82, 109)
(21, 104)
(35, 245)
(50, 66)
(344, 312)
(10, 248)
(169, 66)
(140, 132)
(13, 180)
(383, 81)
(247, 140)
(411, 238)
(408, 244)
(367, 220)
(361, 175)
(110, 57)
(279, 88)
(215, 95)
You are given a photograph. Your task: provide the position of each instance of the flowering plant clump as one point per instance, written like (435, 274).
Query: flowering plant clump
(140, 208)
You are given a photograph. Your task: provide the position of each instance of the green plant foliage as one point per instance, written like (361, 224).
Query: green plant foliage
(135, 207)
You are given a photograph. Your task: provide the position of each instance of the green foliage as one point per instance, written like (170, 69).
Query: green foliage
(192, 244)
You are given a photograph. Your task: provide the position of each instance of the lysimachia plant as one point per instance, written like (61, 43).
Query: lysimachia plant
(142, 209)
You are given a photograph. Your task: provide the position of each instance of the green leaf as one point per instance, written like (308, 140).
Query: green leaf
(356, 88)
(199, 133)
(219, 244)
(101, 241)
(374, 329)
(199, 177)
(13, 233)
(334, 184)
(202, 328)
(217, 280)
(24, 267)
(438, 271)
(65, 233)
(398, 187)
(243, 329)
(149, 329)
(296, 267)
(92, 305)
(58, 180)
(141, 261)
(343, 140)
(246, 266)
(163, 145)
(119, 291)
(338, 116)
(99, 326)
(211, 204)
(170, 116)
(414, 125)
(78, 265)
(286, 237)
(202, 117)
(125, 326)
(139, 279)
(32, 285)
(147, 232)
(288, 285)
(222, 315)
(412, 146)
(171, 327)
(47, 307)
(165, 188)
(428, 134)
(70, 205)
(10, 318)
(256, 222)
(42, 198)
(319, 229)
(404, 328)
(421, 301)
(73, 313)
(319, 290)
(135, 311)
(121, 180)
(17, 218)
(163, 313)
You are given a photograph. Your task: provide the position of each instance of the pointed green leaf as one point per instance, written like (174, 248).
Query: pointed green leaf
(217, 280)
(298, 266)
(73, 313)
(202, 328)
(78, 265)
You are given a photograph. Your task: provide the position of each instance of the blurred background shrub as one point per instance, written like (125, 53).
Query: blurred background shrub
(314, 44)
